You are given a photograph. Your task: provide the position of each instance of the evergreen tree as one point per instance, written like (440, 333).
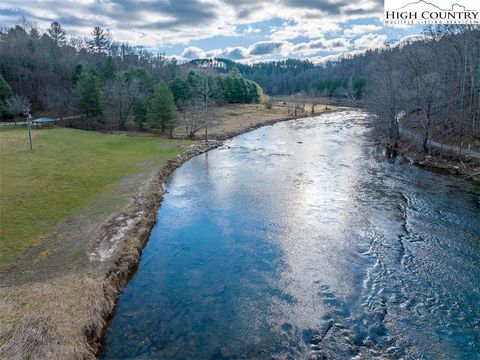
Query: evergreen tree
(194, 82)
(238, 90)
(57, 34)
(235, 73)
(161, 112)
(220, 90)
(110, 69)
(5, 94)
(5, 90)
(140, 113)
(179, 89)
(99, 41)
(229, 90)
(77, 73)
(88, 95)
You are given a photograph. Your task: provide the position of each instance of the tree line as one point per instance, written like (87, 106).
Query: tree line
(286, 77)
(435, 81)
(109, 81)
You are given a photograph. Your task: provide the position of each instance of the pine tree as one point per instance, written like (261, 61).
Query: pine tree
(179, 89)
(235, 73)
(161, 112)
(77, 73)
(88, 95)
(110, 69)
(99, 41)
(57, 34)
(140, 113)
(5, 90)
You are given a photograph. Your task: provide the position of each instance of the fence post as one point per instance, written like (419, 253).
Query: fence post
(29, 131)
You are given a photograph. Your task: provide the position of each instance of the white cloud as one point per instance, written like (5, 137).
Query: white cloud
(361, 29)
(318, 24)
(335, 57)
(315, 46)
(268, 48)
(193, 52)
(309, 29)
(409, 39)
(250, 30)
(233, 53)
(370, 41)
(156, 23)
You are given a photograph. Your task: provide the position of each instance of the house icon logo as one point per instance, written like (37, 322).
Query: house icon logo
(405, 12)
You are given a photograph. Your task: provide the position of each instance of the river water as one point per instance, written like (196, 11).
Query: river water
(304, 240)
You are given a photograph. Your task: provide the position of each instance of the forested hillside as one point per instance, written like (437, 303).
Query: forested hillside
(292, 76)
(433, 83)
(434, 80)
(105, 80)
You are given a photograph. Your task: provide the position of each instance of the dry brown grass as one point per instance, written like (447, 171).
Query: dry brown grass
(225, 121)
(53, 319)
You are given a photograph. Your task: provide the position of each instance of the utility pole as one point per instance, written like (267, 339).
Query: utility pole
(29, 117)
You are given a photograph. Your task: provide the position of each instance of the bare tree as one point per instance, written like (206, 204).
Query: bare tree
(268, 103)
(206, 95)
(348, 91)
(384, 95)
(313, 99)
(121, 95)
(17, 105)
(192, 113)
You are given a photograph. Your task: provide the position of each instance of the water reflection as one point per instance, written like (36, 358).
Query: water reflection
(303, 240)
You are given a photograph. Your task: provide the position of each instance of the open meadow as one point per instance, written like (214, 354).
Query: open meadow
(70, 178)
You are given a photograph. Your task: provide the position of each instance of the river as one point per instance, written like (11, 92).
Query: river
(304, 240)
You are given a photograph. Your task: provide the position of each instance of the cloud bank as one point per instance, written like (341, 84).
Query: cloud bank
(277, 28)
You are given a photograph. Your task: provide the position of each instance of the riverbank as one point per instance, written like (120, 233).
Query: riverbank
(454, 163)
(56, 314)
(456, 154)
(465, 167)
(444, 157)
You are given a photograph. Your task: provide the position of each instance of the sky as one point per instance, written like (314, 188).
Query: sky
(241, 30)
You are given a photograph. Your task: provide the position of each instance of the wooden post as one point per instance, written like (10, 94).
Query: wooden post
(29, 132)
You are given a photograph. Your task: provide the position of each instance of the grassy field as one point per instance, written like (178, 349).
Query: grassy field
(68, 170)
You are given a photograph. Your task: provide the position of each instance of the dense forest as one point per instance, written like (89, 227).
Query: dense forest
(110, 82)
(292, 76)
(434, 79)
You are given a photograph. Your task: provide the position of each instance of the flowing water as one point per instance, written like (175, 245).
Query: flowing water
(304, 240)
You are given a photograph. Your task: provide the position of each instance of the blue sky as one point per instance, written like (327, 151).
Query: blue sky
(243, 30)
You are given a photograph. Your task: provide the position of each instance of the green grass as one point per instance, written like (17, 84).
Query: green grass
(66, 172)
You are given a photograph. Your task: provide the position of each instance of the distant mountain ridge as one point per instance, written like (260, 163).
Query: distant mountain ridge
(429, 3)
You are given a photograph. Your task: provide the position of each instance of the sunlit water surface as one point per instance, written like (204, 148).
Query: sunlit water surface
(303, 240)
